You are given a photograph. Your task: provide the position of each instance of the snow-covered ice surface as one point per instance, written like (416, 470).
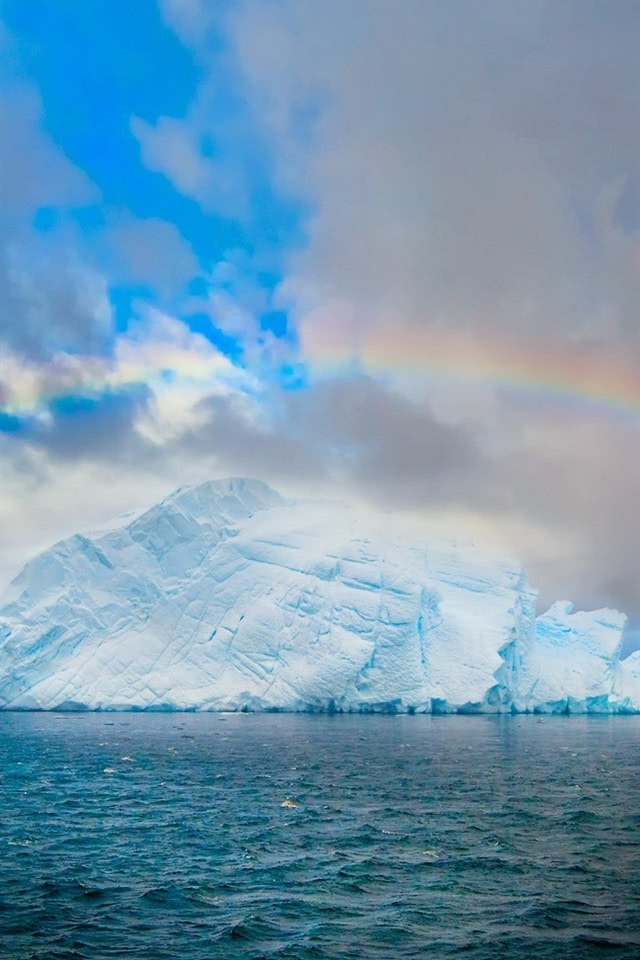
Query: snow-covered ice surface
(226, 596)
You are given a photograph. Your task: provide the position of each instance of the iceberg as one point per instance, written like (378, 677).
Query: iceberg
(228, 596)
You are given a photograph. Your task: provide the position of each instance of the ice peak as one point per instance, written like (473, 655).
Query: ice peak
(236, 486)
(241, 489)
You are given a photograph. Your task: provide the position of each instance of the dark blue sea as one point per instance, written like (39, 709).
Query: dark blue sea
(164, 836)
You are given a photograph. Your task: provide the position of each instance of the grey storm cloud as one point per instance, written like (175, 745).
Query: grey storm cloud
(232, 438)
(390, 446)
(94, 429)
(354, 432)
(468, 162)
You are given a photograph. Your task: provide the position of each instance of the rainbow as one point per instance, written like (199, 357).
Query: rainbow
(605, 381)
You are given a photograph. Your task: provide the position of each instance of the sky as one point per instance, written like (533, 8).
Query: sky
(388, 252)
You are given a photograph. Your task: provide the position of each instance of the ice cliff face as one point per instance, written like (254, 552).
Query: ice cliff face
(226, 596)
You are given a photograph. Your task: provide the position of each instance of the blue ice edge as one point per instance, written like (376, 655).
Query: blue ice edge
(592, 706)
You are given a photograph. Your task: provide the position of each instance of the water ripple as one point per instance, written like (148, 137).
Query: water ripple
(318, 838)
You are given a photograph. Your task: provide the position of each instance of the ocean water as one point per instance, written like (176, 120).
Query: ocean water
(165, 836)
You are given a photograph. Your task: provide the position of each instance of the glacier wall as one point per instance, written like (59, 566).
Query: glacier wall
(226, 596)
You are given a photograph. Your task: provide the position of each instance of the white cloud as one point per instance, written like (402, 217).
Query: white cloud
(152, 251)
(190, 18)
(35, 171)
(174, 148)
(157, 350)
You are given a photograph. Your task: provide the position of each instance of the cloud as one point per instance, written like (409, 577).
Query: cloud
(153, 253)
(232, 298)
(175, 148)
(471, 172)
(93, 427)
(156, 351)
(457, 163)
(353, 433)
(191, 19)
(51, 300)
(236, 437)
(35, 172)
(390, 447)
